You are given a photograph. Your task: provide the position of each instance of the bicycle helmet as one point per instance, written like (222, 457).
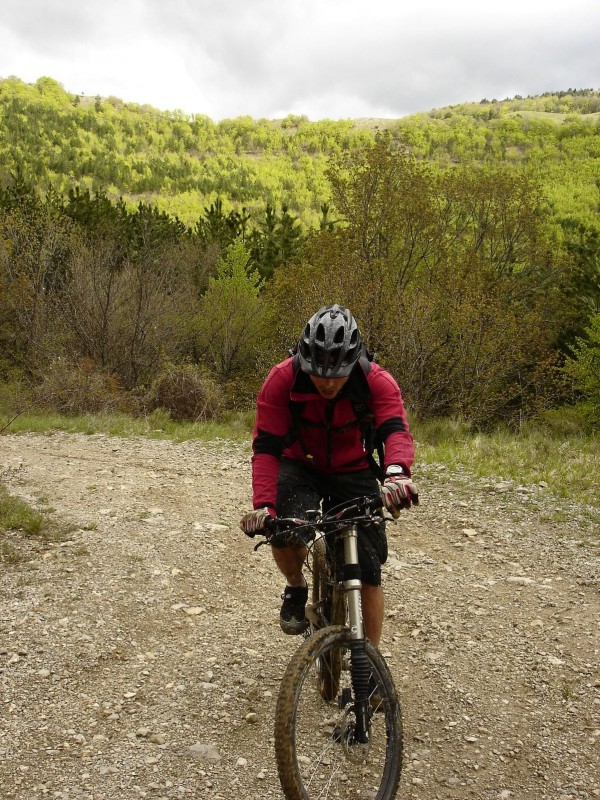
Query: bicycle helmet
(330, 344)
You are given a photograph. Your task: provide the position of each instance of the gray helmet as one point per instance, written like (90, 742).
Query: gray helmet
(330, 344)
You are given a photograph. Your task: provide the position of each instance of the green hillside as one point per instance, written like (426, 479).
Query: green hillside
(181, 163)
(156, 261)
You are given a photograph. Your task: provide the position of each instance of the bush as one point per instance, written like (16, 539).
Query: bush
(14, 397)
(186, 392)
(584, 369)
(80, 388)
(562, 422)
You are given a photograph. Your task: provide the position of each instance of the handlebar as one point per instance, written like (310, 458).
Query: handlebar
(356, 510)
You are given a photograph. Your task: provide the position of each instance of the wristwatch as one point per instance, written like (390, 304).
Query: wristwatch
(395, 470)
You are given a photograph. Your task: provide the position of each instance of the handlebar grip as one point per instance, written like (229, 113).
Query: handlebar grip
(377, 502)
(271, 524)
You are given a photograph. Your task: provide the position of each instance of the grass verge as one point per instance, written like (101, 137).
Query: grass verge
(18, 519)
(157, 425)
(569, 463)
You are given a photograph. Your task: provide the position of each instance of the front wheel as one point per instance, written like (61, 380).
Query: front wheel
(329, 609)
(318, 755)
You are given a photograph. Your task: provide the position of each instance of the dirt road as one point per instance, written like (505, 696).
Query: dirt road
(141, 656)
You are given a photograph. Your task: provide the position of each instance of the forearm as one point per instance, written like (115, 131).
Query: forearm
(265, 469)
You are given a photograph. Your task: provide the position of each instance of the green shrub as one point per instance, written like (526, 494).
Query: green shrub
(583, 367)
(186, 392)
(14, 397)
(561, 422)
(15, 514)
(80, 388)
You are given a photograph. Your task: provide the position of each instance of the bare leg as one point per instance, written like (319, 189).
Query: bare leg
(290, 561)
(372, 605)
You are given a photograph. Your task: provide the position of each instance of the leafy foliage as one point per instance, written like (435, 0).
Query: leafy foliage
(583, 367)
(156, 244)
(186, 392)
(183, 163)
(230, 320)
(451, 274)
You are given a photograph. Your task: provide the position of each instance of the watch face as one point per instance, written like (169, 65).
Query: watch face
(394, 470)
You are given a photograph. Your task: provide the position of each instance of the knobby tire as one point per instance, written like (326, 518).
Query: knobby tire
(329, 596)
(316, 754)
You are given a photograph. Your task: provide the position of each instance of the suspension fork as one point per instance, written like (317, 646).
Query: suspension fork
(352, 582)
(359, 663)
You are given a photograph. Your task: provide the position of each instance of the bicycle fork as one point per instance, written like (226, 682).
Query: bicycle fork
(360, 670)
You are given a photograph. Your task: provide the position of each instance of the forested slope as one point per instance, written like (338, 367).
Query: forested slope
(155, 259)
(183, 162)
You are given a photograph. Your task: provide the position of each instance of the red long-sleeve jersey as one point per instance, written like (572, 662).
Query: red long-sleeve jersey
(328, 436)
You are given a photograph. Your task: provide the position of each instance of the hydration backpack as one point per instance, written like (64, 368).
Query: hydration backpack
(365, 419)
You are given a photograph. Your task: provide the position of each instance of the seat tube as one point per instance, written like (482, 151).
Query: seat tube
(352, 581)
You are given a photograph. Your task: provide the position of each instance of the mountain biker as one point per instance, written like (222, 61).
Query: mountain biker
(309, 446)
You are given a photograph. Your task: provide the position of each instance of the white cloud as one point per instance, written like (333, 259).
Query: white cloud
(322, 58)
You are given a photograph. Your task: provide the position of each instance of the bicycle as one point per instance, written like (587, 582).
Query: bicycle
(338, 725)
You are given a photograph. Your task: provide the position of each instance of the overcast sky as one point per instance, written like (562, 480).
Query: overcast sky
(323, 58)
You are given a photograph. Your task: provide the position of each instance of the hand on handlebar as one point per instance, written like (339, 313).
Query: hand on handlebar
(399, 492)
(254, 521)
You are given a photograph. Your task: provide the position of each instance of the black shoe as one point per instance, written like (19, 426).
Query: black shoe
(291, 616)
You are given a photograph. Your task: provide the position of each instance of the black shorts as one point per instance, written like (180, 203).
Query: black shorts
(300, 489)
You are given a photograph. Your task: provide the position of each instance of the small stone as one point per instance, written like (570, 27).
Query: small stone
(251, 718)
(241, 762)
(193, 611)
(204, 752)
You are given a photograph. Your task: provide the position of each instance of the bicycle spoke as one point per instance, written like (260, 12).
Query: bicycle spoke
(323, 758)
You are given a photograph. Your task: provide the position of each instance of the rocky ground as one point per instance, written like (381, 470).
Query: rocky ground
(141, 655)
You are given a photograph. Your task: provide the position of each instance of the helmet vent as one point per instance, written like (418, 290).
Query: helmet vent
(331, 343)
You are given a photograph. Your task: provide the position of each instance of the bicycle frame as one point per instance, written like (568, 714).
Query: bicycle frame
(351, 576)
(354, 687)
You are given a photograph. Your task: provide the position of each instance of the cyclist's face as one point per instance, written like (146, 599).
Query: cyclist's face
(328, 387)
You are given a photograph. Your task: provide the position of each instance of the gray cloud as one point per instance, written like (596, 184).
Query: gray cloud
(323, 58)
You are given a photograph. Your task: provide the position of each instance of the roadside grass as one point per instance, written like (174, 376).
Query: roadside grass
(158, 425)
(567, 460)
(568, 464)
(19, 518)
(15, 514)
